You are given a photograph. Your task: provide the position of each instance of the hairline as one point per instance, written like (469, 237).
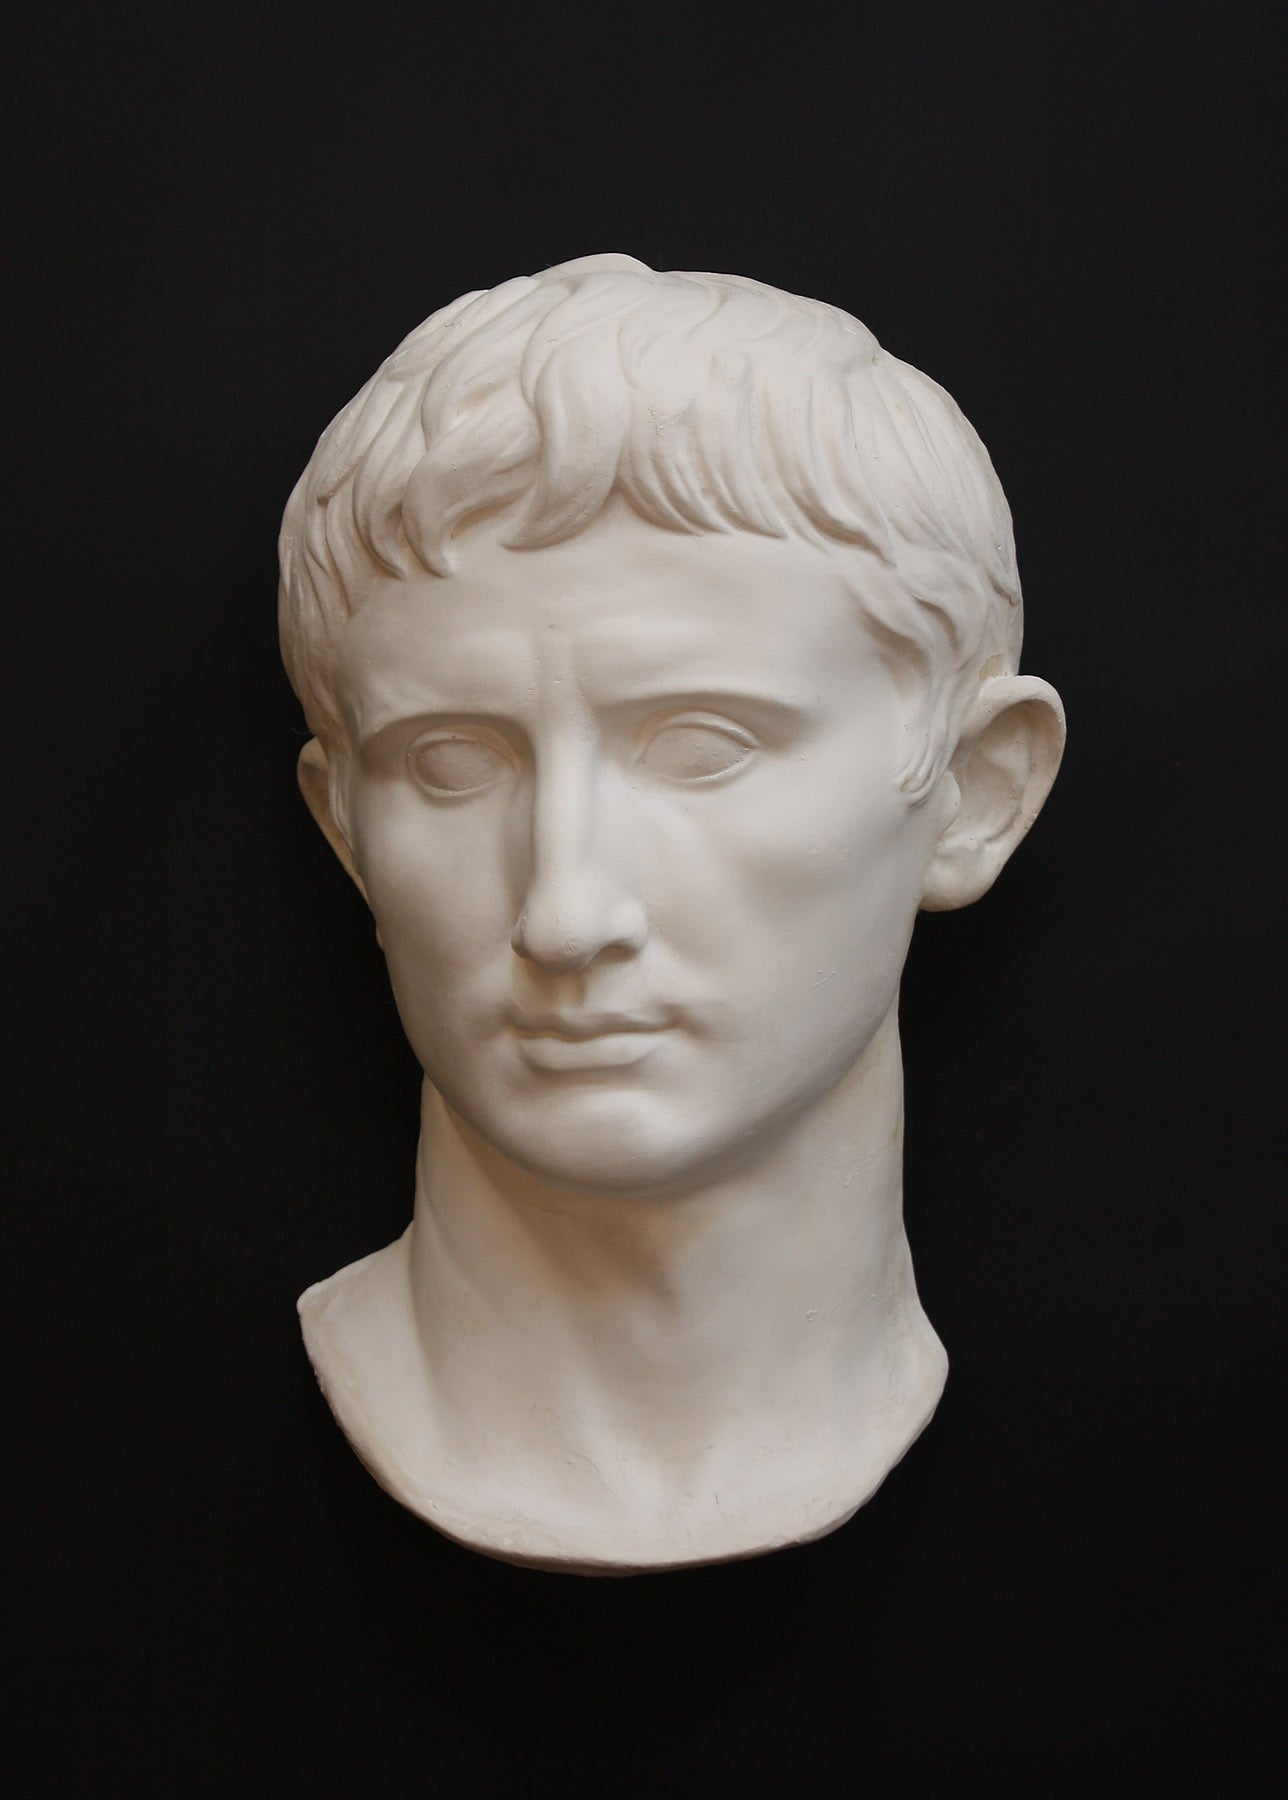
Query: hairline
(381, 525)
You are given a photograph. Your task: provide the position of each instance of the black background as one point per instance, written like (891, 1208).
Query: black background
(225, 219)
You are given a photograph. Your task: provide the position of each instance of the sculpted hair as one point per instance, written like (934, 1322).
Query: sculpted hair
(707, 403)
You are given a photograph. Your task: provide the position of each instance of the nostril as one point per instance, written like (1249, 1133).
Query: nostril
(628, 928)
(547, 940)
(558, 942)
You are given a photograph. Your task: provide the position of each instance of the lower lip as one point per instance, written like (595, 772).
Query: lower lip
(575, 1056)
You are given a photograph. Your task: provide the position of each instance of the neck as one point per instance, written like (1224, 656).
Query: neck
(651, 1367)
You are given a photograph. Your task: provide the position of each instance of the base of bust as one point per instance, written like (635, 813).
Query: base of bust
(361, 1339)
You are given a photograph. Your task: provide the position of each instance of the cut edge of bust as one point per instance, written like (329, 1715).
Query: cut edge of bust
(351, 1366)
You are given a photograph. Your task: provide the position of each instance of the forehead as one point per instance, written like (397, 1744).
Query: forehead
(622, 611)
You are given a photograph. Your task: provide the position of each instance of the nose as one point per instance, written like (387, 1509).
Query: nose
(579, 900)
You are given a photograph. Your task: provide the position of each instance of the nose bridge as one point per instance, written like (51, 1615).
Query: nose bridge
(576, 897)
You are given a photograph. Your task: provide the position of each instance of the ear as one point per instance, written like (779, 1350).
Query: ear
(314, 774)
(1010, 748)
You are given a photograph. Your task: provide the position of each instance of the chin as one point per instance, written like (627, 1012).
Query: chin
(605, 1141)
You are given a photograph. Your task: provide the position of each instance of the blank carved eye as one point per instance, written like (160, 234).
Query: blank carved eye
(695, 750)
(454, 764)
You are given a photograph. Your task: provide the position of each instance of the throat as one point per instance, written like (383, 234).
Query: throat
(610, 1382)
(640, 1326)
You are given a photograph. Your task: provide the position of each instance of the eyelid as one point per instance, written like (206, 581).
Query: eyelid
(473, 735)
(707, 721)
(387, 748)
(716, 725)
(468, 731)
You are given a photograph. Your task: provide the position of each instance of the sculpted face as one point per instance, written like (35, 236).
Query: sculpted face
(627, 812)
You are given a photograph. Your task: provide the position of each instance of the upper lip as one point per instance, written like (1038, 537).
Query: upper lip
(579, 1026)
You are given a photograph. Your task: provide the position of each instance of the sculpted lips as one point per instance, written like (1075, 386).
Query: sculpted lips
(573, 1042)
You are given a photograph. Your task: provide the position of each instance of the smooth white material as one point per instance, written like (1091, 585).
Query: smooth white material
(644, 803)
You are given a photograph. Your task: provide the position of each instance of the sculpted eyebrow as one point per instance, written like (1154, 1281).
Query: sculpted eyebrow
(786, 709)
(389, 734)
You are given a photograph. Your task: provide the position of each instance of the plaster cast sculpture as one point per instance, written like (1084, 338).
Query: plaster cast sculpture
(660, 634)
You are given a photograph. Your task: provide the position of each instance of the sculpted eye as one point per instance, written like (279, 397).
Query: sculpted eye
(451, 763)
(696, 750)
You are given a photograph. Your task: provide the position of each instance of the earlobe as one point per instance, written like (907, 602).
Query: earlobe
(1007, 757)
(314, 774)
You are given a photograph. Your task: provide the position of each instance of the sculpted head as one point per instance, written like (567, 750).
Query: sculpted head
(660, 636)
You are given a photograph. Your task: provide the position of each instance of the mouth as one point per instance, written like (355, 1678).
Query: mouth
(568, 1043)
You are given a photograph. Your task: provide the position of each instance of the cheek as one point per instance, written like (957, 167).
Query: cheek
(437, 887)
(804, 858)
(807, 912)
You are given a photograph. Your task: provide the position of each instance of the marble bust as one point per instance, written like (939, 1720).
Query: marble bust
(659, 634)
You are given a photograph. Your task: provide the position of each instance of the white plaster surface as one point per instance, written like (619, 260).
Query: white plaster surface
(660, 637)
